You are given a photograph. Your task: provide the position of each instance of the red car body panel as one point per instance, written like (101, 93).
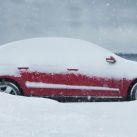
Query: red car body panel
(73, 79)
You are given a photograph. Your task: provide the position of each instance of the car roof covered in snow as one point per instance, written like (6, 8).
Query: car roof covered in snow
(51, 51)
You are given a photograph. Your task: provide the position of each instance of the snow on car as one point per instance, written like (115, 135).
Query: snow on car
(65, 68)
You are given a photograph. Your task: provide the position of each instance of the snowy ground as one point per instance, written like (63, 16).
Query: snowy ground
(39, 117)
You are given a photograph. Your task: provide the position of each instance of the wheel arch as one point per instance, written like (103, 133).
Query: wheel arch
(130, 87)
(14, 82)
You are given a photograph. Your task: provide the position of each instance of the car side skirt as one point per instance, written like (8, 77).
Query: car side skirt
(87, 98)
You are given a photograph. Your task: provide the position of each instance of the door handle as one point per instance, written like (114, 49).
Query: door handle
(111, 59)
(23, 68)
(71, 69)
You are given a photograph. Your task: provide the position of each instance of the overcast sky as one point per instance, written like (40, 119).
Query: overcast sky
(109, 23)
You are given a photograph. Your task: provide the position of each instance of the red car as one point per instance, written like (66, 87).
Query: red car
(65, 68)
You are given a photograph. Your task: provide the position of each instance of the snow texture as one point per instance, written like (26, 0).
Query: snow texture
(37, 117)
(58, 51)
(56, 55)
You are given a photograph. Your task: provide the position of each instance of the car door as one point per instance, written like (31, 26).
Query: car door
(45, 80)
(96, 78)
(80, 84)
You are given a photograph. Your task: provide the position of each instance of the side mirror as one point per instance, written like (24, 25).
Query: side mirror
(111, 59)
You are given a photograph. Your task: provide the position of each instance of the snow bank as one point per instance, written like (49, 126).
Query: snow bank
(37, 117)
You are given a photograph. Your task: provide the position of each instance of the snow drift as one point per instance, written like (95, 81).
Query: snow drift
(37, 117)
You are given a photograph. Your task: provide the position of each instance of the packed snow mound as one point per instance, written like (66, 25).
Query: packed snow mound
(39, 117)
(57, 55)
(57, 51)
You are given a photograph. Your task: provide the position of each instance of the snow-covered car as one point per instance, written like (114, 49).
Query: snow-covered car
(65, 68)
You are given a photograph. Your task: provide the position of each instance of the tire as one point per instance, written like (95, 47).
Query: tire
(133, 92)
(9, 88)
